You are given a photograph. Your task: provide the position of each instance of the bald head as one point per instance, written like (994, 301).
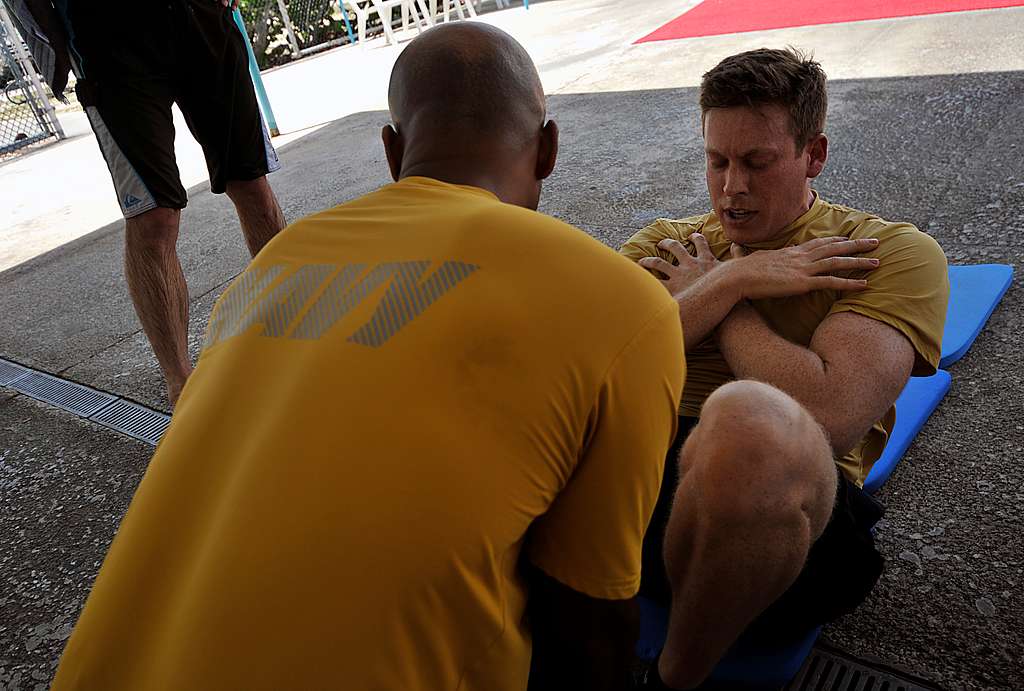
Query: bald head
(468, 109)
(466, 80)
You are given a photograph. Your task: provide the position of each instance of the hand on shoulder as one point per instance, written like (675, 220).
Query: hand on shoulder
(802, 268)
(687, 269)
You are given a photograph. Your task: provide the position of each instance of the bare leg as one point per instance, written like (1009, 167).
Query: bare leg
(258, 211)
(757, 487)
(157, 288)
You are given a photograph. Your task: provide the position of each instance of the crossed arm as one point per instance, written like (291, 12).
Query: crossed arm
(847, 378)
(854, 367)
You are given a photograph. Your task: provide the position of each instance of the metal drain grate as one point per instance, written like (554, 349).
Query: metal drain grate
(76, 398)
(828, 669)
(134, 420)
(129, 418)
(10, 372)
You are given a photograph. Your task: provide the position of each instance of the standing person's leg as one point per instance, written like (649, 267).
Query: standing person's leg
(123, 61)
(217, 98)
(757, 486)
(258, 211)
(157, 287)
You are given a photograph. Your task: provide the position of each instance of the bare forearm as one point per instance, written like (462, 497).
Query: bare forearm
(705, 304)
(754, 351)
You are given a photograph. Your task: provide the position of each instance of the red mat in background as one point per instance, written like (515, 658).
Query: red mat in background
(716, 17)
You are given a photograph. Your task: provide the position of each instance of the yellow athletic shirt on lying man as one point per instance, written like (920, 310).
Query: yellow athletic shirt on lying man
(399, 396)
(908, 291)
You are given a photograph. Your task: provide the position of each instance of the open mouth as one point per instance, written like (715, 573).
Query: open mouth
(738, 215)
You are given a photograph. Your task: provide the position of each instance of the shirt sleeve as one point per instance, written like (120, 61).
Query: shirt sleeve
(909, 291)
(590, 539)
(645, 242)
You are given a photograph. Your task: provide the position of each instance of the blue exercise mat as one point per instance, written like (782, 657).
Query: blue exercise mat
(653, 628)
(920, 397)
(974, 292)
(755, 660)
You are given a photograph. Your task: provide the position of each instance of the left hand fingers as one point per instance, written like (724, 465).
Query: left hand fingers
(656, 264)
(675, 248)
(701, 244)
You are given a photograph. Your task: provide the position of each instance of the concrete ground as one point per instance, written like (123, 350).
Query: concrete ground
(925, 126)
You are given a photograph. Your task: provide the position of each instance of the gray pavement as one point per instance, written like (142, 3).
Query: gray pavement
(65, 484)
(942, 151)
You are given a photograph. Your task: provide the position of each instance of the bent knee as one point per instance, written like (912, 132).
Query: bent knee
(757, 450)
(765, 424)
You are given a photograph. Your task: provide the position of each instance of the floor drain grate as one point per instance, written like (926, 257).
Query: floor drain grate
(111, 411)
(134, 420)
(10, 372)
(828, 669)
(76, 398)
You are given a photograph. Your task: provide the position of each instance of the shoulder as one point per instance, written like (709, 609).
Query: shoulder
(845, 220)
(895, 237)
(644, 243)
(572, 260)
(909, 290)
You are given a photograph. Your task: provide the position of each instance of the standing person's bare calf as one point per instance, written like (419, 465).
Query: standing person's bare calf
(133, 61)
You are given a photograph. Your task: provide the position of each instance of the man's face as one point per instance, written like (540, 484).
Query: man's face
(756, 176)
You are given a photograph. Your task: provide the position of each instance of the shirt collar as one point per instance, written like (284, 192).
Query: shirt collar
(783, 238)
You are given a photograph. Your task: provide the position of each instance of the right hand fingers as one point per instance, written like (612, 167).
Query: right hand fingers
(833, 247)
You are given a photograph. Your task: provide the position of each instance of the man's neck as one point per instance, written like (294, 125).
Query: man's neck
(456, 172)
(808, 203)
(782, 233)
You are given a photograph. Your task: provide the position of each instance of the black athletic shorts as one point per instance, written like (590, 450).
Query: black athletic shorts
(133, 59)
(842, 567)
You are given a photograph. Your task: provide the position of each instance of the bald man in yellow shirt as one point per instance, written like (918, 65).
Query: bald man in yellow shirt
(415, 454)
(762, 521)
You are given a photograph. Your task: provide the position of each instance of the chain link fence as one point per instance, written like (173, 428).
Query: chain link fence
(282, 30)
(26, 115)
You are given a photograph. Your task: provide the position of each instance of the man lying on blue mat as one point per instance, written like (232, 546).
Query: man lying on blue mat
(832, 309)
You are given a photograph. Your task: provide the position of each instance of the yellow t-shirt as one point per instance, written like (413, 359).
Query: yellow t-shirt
(908, 291)
(399, 396)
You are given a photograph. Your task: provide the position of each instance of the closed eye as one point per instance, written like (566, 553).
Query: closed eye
(759, 162)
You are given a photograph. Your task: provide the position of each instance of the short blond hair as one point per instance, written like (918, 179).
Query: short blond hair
(770, 77)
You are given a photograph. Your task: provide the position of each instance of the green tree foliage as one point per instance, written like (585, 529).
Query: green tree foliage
(314, 22)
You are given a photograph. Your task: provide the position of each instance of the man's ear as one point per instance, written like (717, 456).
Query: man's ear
(394, 149)
(547, 152)
(817, 149)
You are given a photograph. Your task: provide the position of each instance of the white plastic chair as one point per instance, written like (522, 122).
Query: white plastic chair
(411, 10)
(500, 4)
(464, 8)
